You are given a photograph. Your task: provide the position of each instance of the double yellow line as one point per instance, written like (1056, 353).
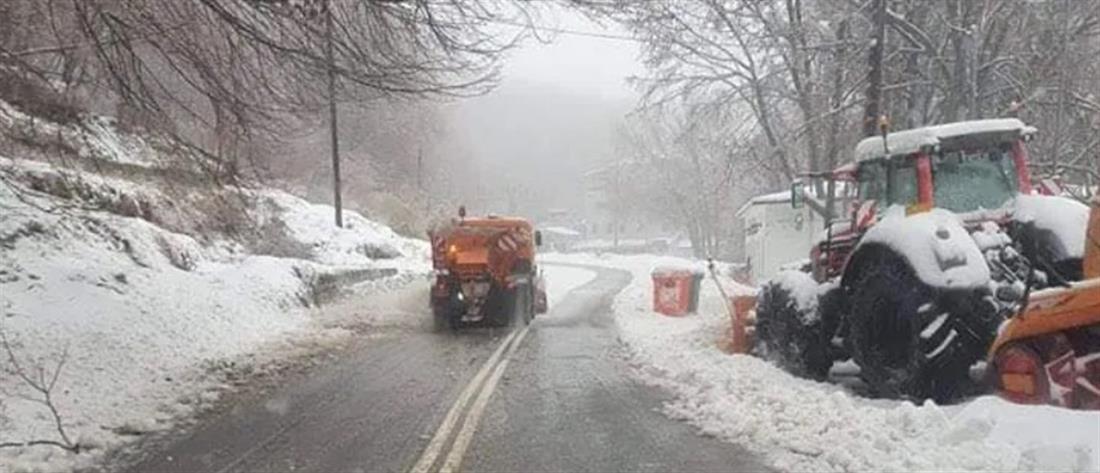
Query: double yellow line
(493, 369)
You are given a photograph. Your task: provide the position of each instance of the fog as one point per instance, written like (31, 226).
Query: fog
(553, 117)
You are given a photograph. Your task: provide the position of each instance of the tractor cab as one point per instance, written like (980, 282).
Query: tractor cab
(962, 167)
(972, 169)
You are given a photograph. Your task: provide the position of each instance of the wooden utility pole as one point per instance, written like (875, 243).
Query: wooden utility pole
(337, 201)
(873, 108)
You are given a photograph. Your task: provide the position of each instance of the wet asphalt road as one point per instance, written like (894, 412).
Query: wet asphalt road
(564, 403)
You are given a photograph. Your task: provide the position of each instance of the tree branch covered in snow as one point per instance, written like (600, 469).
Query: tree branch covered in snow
(798, 69)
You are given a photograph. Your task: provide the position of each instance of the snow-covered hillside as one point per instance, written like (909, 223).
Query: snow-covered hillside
(801, 425)
(145, 280)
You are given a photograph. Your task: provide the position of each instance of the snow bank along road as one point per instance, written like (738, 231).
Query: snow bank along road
(551, 397)
(153, 291)
(799, 425)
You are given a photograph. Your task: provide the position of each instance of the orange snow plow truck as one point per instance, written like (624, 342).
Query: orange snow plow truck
(1050, 353)
(485, 272)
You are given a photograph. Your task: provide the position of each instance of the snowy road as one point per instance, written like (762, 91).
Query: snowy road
(553, 398)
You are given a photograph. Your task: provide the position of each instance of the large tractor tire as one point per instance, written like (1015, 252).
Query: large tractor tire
(905, 344)
(790, 333)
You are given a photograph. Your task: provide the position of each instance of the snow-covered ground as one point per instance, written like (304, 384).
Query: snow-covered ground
(562, 279)
(144, 339)
(801, 425)
(150, 310)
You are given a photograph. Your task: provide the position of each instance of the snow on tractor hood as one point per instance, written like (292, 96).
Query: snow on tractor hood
(937, 246)
(1066, 218)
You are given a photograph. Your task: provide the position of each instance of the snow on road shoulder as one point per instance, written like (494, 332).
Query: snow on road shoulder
(801, 425)
(359, 242)
(562, 279)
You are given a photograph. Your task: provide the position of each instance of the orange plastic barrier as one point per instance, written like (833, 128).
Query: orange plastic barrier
(739, 330)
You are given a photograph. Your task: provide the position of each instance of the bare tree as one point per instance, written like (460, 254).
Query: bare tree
(919, 62)
(680, 170)
(793, 75)
(223, 71)
(41, 381)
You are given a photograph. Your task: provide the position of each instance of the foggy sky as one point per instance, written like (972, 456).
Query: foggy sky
(552, 118)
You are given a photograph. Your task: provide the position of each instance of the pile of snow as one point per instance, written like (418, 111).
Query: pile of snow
(562, 279)
(1066, 218)
(801, 425)
(359, 242)
(804, 290)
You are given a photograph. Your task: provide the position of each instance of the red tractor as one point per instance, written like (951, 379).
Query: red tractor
(942, 238)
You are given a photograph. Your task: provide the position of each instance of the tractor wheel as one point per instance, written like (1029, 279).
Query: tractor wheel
(906, 345)
(789, 334)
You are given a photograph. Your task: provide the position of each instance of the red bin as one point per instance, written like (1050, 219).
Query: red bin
(673, 291)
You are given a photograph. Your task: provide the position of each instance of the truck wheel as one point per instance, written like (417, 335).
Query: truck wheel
(789, 334)
(499, 307)
(522, 308)
(528, 304)
(904, 344)
(442, 321)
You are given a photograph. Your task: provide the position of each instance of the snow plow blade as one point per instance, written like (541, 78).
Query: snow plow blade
(1050, 353)
(1055, 309)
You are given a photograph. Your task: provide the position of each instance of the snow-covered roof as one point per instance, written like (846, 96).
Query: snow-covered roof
(911, 141)
(773, 198)
(561, 231)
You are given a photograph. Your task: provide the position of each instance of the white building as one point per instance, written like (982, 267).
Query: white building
(776, 234)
